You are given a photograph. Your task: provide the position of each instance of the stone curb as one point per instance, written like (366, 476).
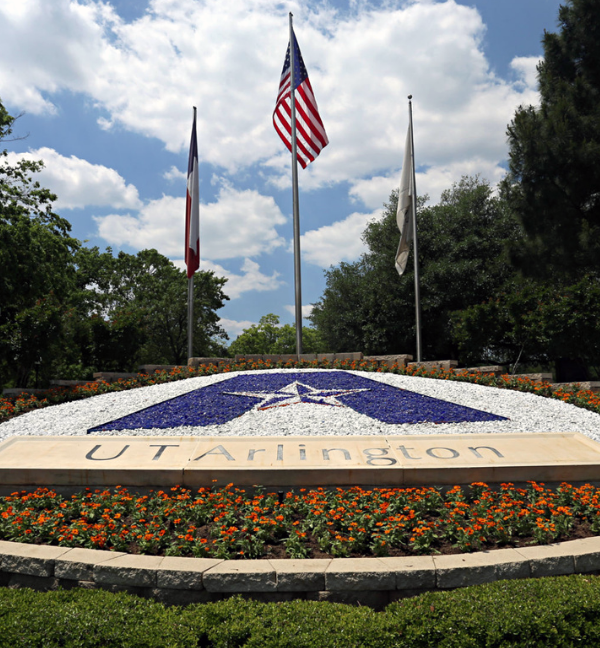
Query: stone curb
(369, 581)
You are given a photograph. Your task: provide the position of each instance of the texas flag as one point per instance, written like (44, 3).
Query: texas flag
(192, 209)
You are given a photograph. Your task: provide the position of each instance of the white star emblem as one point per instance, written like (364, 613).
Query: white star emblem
(295, 393)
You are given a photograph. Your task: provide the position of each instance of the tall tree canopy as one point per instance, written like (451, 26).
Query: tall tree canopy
(554, 159)
(68, 310)
(366, 306)
(130, 309)
(36, 257)
(268, 337)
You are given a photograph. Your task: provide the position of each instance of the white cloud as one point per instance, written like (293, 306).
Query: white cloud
(432, 182)
(175, 175)
(340, 241)
(234, 327)
(147, 74)
(526, 69)
(251, 279)
(373, 192)
(306, 310)
(78, 183)
(238, 224)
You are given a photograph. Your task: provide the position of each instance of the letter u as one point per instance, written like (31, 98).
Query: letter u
(90, 454)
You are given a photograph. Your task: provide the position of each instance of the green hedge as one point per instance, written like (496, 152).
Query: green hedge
(561, 612)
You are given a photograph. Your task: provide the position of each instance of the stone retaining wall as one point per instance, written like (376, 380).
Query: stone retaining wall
(365, 581)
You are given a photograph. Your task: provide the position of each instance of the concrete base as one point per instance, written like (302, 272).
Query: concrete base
(298, 461)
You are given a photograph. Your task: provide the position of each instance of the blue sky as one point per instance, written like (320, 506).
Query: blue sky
(107, 91)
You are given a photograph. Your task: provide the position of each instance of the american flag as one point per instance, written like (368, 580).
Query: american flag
(310, 132)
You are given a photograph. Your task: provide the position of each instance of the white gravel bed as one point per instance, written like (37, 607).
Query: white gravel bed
(526, 413)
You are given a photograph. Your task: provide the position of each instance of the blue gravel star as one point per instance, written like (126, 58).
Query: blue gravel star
(297, 392)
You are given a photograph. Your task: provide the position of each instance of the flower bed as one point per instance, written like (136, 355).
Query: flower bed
(234, 523)
(13, 406)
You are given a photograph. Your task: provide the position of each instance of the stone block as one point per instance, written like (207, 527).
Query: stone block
(183, 573)
(196, 362)
(128, 570)
(363, 574)
(307, 357)
(351, 357)
(496, 370)
(289, 357)
(272, 357)
(153, 368)
(390, 360)
(330, 357)
(34, 560)
(412, 572)
(16, 391)
(249, 357)
(593, 386)
(38, 583)
(586, 554)
(300, 575)
(271, 597)
(549, 560)
(370, 598)
(463, 570)
(78, 564)
(435, 364)
(68, 584)
(231, 576)
(399, 595)
(128, 589)
(112, 376)
(69, 383)
(538, 377)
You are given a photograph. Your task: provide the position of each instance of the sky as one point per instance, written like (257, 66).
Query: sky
(107, 89)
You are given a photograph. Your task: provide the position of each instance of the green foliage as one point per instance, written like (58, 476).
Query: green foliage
(556, 612)
(554, 154)
(131, 309)
(67, 310)
(462, 260)
(534, 322)
(268, 337)
(36, 257)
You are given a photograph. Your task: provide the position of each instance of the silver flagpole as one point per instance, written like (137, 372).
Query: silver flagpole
(297, 280)
(414, 226)
(190, 315)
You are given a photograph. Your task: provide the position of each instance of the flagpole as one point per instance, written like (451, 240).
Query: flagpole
(414, 228)
(190, 314)
(296, 207)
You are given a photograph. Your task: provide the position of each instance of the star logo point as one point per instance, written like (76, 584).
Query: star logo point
(295, 393)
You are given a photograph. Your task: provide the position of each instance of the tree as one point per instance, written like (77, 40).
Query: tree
(366, 306)
(270, 338)
(554, 159)
(36, 257)
(538, 324)
(131, 309)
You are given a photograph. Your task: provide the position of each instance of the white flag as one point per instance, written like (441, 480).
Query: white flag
(403, 215)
